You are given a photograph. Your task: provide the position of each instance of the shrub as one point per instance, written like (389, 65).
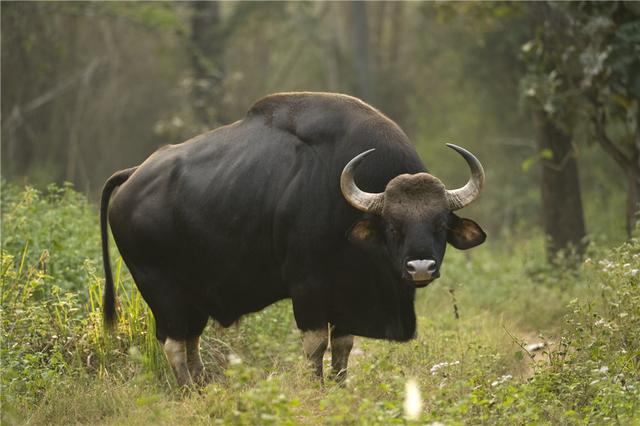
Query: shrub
(56, 228)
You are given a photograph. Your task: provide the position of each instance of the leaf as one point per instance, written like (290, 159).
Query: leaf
(518, 355)
(528, 163)
(546, 154)
(623, 101)
(629, 32)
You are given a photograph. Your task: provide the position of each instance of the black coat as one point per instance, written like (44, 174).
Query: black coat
(236, 219)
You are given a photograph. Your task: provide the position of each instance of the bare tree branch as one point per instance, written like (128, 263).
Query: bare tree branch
(606, 143)
(18, 112)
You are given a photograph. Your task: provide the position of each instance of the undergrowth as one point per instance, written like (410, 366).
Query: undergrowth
(470, 359)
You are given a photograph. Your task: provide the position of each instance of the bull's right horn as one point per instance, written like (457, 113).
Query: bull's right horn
(361, 200)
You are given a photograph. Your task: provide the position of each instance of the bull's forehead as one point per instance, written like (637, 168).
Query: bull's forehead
(415, 195)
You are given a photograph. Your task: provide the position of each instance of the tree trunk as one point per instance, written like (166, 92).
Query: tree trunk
(633, 189)
(562, 214)
(207, 52)
(630, 164)
(360, 39)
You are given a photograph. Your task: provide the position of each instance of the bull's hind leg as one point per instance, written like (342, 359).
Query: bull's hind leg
(315, 344)
(194, 361)
(177, 321)
(176, 352)
(341, 345)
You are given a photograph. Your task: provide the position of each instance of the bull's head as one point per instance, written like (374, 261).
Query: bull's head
(412, 220)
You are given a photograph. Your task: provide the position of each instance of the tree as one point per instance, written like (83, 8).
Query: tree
(562, 213)
(584, 72)
(360, 39)
(83, 88)
(610, 78)
(207, 55)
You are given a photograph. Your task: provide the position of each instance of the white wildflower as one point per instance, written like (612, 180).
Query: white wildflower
(527, 46)
(501, 380)
(234, 359)
(412, 400)
(606, 265)
(535, 346)
(177, 121)
(441, 365)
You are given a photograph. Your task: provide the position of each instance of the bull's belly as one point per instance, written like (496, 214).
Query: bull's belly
(199, 278)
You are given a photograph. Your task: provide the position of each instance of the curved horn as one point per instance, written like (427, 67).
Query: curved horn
(364, 201)
(458, 198)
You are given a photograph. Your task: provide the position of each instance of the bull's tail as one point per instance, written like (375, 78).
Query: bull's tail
(109, 296)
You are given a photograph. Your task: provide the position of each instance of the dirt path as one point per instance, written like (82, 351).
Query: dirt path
(535, 349)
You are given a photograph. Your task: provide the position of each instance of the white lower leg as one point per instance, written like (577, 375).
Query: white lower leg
(194, 361)
(315, 344)
(340, 350)
(176, 352)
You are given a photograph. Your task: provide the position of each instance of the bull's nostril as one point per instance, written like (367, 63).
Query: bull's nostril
(432, 267)
(410, 267)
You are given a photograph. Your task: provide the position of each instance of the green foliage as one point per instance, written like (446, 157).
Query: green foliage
(584, 61)
(79, 104)
(593, 373)
(470, 359)
(155, 16)
(55, 228)
(48, 332)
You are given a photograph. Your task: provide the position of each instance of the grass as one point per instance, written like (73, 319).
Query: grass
(469, 361)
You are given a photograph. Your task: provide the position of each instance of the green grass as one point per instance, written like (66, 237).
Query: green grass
(58, 366)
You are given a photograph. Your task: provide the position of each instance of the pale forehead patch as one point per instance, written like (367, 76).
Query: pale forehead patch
(414, 195)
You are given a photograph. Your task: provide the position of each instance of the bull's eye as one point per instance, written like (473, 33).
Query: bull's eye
(396, 231)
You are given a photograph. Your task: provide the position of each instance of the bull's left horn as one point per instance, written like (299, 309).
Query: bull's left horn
(458, 198)
(361, 200)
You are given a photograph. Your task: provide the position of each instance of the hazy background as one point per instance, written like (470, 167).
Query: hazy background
(91, 88)
(546, 95)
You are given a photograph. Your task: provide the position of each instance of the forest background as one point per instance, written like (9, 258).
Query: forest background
(546, 94)
(91, 88)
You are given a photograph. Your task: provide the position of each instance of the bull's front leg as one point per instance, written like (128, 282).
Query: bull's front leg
(194, 361)
(341, 345)
(314, 343)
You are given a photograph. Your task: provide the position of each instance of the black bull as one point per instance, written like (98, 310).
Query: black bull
(251, 213)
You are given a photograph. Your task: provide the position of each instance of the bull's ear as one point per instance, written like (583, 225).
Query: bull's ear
(464, 233)
(364, 234)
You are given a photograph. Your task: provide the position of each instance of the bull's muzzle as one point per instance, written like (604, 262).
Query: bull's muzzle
(422, 271)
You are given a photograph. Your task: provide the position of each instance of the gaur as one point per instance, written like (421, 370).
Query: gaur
(316, 197)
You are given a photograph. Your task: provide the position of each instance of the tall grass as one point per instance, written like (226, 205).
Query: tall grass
(469, 360)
